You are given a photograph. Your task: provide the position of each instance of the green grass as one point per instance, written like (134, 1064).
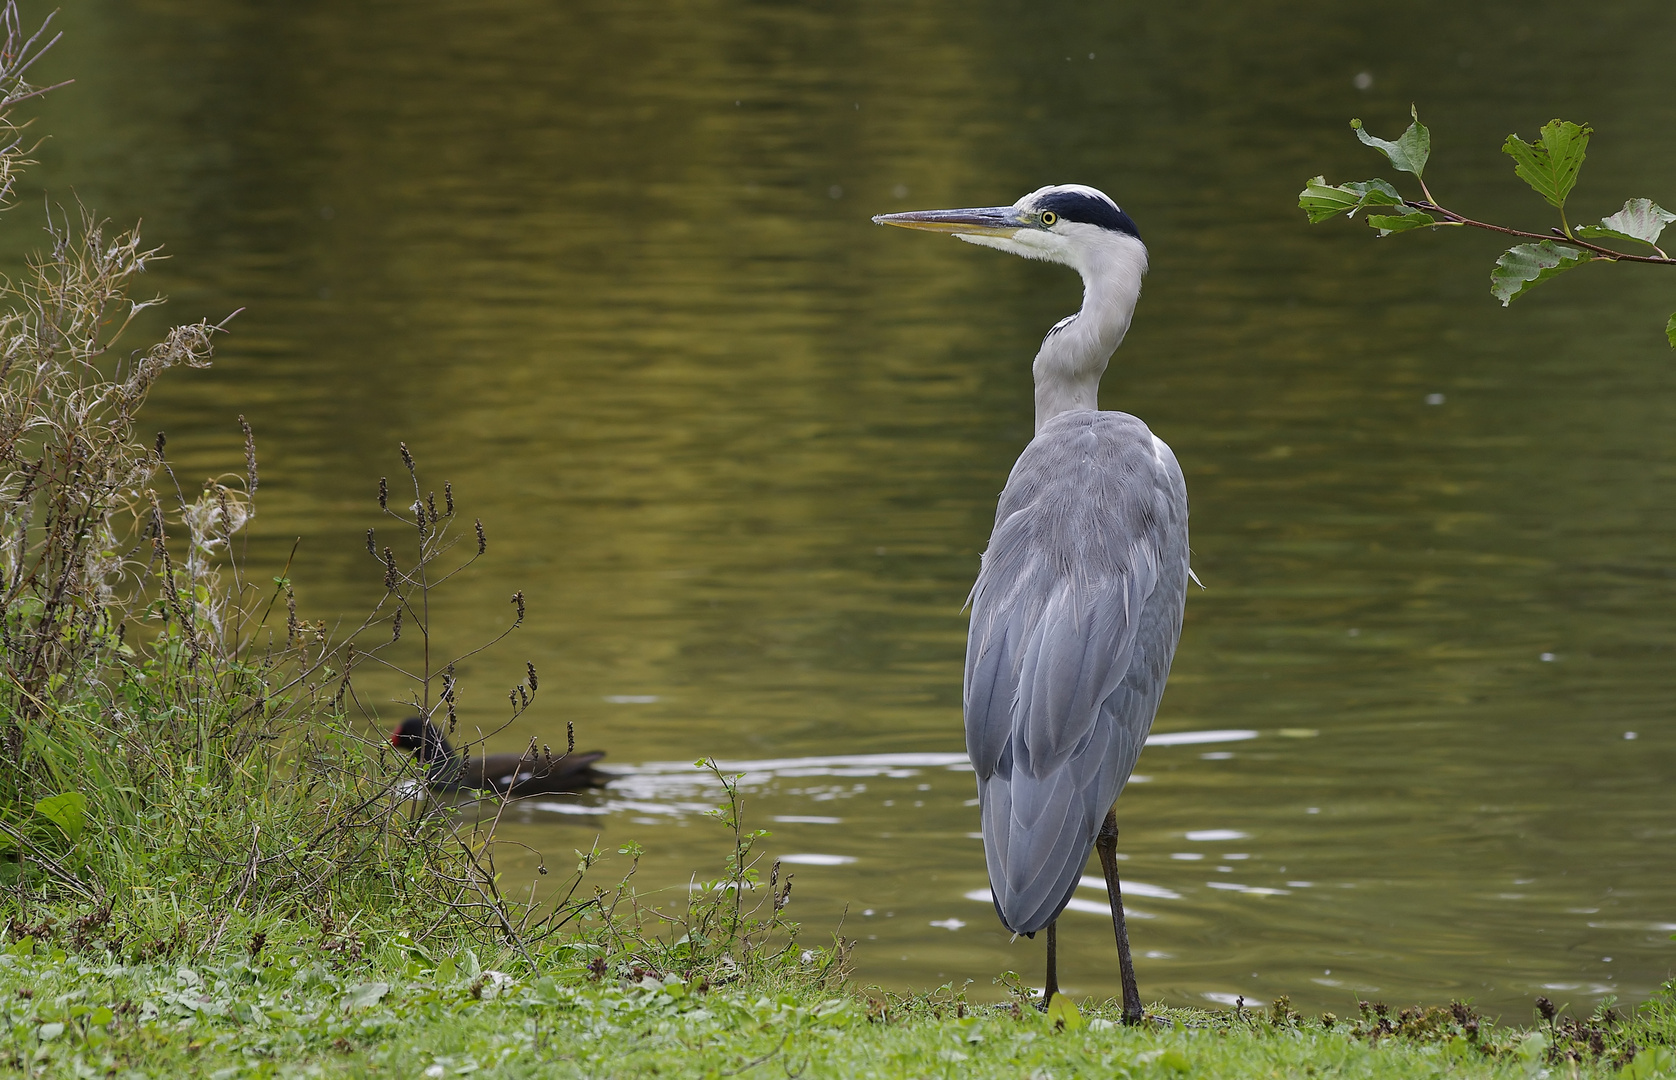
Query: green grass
(309, 1006)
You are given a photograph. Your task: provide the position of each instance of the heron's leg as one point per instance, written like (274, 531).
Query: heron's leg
(1051, 986)
(1106, 844)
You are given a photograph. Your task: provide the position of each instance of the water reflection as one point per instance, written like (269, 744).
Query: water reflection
(607, 268)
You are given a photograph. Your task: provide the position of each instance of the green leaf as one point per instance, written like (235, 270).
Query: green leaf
(1396, 223)
(1062, 1013)
(1641, 220)
(67, 810)
(1532, 1047)
(1670, 332)
(1653, 1062)
(1321, 200)
(364, 996)
(1550, 165)
(1528, 265)
(1408, 153)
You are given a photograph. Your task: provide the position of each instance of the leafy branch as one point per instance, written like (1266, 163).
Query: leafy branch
(1550, 165)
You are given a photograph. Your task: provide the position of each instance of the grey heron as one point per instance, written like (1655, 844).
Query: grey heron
(1078, 604)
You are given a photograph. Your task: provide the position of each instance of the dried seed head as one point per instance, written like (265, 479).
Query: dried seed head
(430, 503)
(396, 626)
(569, 737)
(407, 458)
(530, 667)
(290, 614)
(448, 498)
(390, 573)
(482, 541)
(249, 455)
(1545, 1008)
(512, 696)
(523, 697)
(518, 598)
(384, 493)
(162, 440)
(372, 548)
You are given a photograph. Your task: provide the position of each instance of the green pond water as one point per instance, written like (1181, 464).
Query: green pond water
(607, 268)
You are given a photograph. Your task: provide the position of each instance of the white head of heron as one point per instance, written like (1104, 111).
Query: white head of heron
(1076, 226)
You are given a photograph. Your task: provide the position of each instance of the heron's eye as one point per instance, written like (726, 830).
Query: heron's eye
(1049, 219)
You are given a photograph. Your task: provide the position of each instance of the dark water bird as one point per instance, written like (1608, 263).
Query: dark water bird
(515, 775)
(1077, 608)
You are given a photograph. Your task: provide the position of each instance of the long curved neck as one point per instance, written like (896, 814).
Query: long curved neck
(1074, 354)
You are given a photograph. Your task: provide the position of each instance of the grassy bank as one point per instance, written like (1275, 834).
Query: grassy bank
(213, 863)
(305, 1005)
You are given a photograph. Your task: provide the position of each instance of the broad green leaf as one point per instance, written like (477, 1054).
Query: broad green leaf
(1062, 1012)
(1321, 200)
(364, 996)
(1670, 332)
(1641, 220)
(1550, 165)
(67, 810)
(1653, 1063)
(1395, 223)
(1408, 153)
(1532, 1047)
(1527, 265)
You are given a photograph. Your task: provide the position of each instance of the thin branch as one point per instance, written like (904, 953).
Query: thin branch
(1604, 252)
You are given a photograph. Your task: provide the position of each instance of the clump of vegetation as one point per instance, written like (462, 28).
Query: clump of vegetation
(185, 764)
(166, 754)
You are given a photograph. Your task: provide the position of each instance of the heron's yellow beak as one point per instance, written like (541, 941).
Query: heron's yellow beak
(976, 221)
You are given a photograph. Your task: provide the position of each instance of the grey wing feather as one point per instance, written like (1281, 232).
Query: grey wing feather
(1075, 618)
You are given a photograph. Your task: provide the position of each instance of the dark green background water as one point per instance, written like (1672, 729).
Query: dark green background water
(607, 267)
